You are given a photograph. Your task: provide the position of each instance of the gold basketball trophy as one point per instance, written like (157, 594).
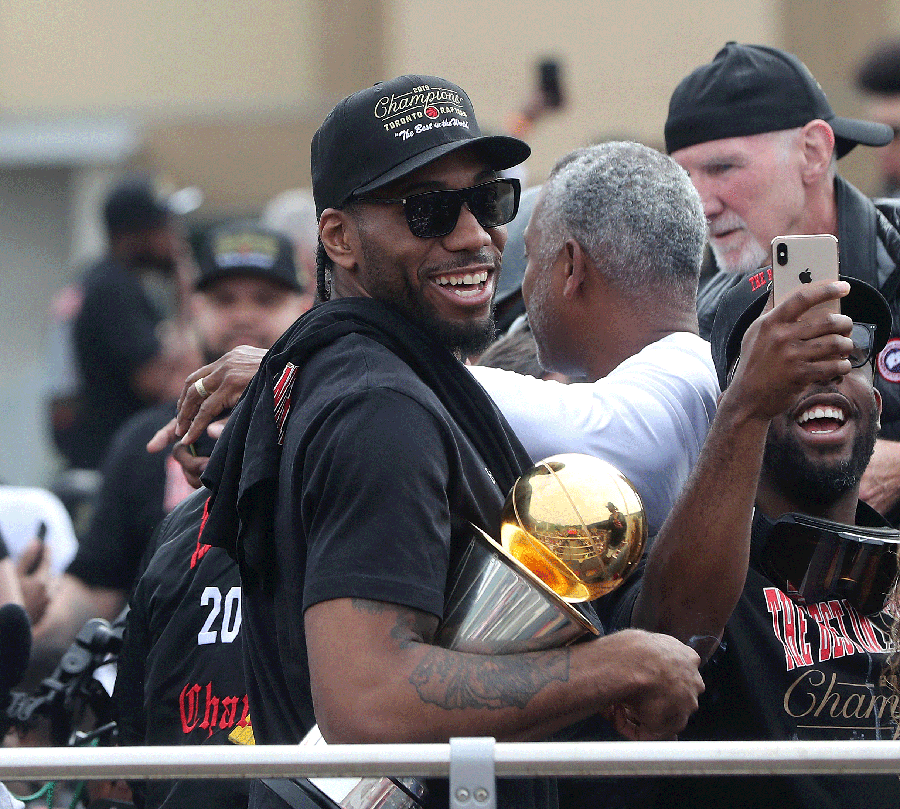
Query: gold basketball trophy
(572, 529)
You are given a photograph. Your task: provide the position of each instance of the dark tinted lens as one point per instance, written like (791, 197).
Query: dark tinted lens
(432, 214)
(493, 204)
(867, 574)
(818, 568)
(435, 213)
(860, 572)
(863, 336)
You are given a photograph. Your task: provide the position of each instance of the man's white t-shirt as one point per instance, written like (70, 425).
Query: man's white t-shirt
(648, 417)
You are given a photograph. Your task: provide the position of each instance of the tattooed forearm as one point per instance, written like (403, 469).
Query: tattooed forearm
(450, 680)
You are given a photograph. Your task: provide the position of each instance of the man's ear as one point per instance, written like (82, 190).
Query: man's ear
(336, 230)
(574, 268)
(817, 144)
(877, 394)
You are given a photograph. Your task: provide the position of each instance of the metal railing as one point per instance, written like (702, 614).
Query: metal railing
(509, 759)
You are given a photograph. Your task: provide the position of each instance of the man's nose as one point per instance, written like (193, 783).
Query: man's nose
(712, 205)
(468, 233)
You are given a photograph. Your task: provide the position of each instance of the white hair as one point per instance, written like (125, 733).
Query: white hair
(636, 214)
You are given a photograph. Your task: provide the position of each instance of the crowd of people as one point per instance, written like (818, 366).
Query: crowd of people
(288, 486)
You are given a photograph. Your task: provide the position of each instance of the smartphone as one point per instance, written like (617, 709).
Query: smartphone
(799, 260)
(548, 80)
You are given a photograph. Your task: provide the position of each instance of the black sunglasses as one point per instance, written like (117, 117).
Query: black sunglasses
(814, 560)
(435, 213)
(863, 336)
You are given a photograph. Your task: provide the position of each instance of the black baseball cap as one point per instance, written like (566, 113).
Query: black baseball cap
(880, 72)
(383, 133)
(135, 203)
(247, 249)
(750, 89)
(745, 301)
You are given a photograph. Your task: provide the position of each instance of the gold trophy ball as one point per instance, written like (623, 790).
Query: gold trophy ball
(577, 523)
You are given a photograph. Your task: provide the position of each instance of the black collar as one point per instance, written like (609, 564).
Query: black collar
(857, 233)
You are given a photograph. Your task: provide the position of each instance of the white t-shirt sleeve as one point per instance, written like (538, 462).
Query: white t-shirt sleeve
(648, 418)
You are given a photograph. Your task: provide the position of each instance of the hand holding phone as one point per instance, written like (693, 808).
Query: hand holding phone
(807, 259)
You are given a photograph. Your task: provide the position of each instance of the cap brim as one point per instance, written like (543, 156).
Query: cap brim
(864, 304)
(206, 281)
(736, 334)
(500, 151)
(848, 132)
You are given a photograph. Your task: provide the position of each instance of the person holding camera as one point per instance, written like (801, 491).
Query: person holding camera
(771, 551)
(760, 140)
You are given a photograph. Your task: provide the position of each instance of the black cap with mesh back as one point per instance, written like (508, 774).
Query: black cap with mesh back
(751, 89)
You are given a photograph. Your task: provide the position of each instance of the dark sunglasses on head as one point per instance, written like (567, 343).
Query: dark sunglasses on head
(435, 213)
(863, 336)
(814, 560)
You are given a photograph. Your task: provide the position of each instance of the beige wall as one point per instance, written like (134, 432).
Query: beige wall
(228, 94)
(621, 59)
(164, 56)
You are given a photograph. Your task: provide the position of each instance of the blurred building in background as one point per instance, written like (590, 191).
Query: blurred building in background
(226, 96)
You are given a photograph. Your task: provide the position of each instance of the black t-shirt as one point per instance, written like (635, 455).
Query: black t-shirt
(139, 488)
(783, 672)
(114, 334)
(376, 485)
(180, 679)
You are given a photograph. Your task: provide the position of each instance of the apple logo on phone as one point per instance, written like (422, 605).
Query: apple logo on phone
(805, 277)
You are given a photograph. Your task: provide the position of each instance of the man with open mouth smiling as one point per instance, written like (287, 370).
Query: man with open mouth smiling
(758, 136)
(348, 477)
(771, 551)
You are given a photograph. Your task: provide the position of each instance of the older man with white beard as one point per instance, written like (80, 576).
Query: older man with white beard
(756, 133)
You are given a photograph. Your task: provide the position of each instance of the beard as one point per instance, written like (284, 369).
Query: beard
(750, 256)
(392, 287)
(812, 484)
(540, 319)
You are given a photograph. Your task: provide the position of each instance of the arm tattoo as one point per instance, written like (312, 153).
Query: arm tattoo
(371, 607)
(453, 680)
(411, 627)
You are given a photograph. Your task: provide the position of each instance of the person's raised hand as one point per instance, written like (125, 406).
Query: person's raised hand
(206, 393)
(214, 388)
(782, 352)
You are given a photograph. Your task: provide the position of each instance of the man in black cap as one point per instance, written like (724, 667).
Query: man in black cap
(759, 139)
(247, 293)
(130, 336)
(347, 510)
(771, 551)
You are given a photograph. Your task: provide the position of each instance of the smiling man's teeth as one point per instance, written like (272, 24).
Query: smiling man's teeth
(465, 280)
(822, 413)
